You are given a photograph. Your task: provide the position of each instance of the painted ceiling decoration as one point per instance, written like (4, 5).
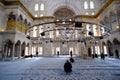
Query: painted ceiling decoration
(64, 13)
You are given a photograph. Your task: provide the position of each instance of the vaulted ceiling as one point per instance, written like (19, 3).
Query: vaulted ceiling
(74, 7)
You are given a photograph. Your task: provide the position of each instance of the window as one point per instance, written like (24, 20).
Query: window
(102, 30)
(97, 50)
(41, 15)
(92, 50)
(105, 49)
(57, 50)
(76, 34)
(51, 34)
(36, 15)
(40, 29)
(95, 31)
(33, 50)
(91, 5)
(40, 50)
(93, 13)
(26, 51)
(85, 5)
(31, 32)
(86, 13)
(36, 7)
(42, 7)
(57, 33)
(71, 49)
(34, 31)
(88, 29)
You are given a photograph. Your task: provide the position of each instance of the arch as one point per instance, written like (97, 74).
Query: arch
(110, 48)
(103, 43)
(20, 18)
(8, 48)
(18, 42)
(11, 16)
(29, 24)
(25, 21)
(17, 49)
(116, 41)
(23, 49)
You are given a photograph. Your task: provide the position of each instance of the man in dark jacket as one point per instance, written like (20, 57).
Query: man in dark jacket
(67, 66)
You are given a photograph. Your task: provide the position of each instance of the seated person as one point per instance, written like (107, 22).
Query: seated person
(67, 66)
(71, 60)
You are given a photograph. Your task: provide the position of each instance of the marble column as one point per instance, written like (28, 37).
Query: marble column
(100, 45)
(94, 48)
(30, 49)
(13, 51)
(19, 51)
(6, 50)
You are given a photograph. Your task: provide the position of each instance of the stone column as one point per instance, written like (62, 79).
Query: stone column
(13, 50)
(6, 50)
(80, 50)
(94, 48)
(100, 45)
(30, 49)
(19, 51)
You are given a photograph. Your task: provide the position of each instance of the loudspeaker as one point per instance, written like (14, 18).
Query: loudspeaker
(42, 34)
(78, 24)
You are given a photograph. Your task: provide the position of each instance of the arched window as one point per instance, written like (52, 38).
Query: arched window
(88, 29)
(102, 30)
(76, 33)
(85, 5)
(33, 50)
(40, 29)
(51, 34)
(36, 7)
(57, 33)
(34, 31)
(42, 7)
(92, 5)
(40, 50)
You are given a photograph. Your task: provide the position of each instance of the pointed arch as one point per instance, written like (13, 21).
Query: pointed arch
(116, 41)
